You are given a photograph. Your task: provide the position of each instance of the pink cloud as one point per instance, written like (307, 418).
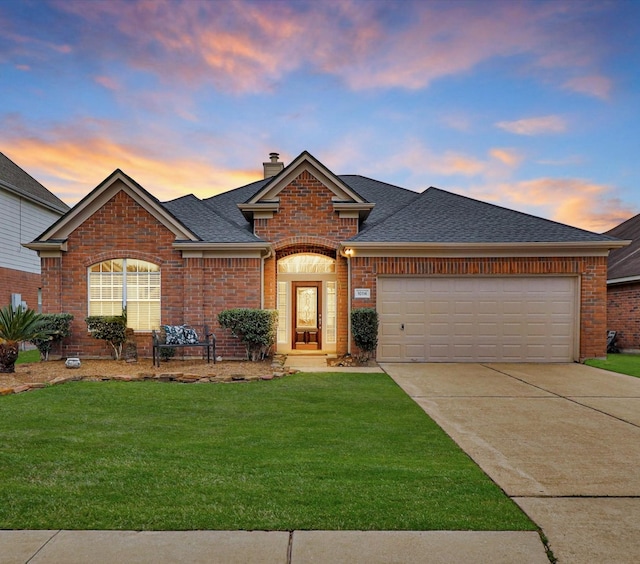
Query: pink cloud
(107, 82)
(509, 157)
(594, 85)
(245, 46)
(535, 126)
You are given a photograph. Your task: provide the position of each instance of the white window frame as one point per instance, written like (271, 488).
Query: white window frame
(119, 292)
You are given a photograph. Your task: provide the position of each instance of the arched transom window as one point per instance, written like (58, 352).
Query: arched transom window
(306, 263)
(131, 283)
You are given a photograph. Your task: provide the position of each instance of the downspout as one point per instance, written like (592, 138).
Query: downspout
(264, 258)
(347, 253)
(349, 304)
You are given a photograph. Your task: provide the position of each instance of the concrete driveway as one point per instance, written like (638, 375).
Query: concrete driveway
(562, 440)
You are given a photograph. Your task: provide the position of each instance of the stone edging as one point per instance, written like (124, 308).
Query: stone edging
(277, 367)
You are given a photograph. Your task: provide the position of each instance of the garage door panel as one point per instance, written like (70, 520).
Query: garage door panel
(471, 318)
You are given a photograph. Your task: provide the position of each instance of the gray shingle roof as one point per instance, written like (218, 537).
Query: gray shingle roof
(200, 217)
(625, 262)
(399, 215)
(388, 199)
(13, 178)
(226, 204)
(443, 217)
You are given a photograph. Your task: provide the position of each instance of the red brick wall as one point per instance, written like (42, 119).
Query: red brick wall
(19, 282)
(592, 272)
(306, 209)
(623, 314)
(194, 291)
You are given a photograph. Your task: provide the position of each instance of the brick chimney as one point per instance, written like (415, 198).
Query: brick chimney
(273, 167)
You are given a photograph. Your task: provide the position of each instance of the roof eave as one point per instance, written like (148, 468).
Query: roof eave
(624, 280)
(47, 249)
(60, 210)
(198, 249)
(432, 249)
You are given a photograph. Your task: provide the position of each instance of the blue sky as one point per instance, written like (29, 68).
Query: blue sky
(531, 105)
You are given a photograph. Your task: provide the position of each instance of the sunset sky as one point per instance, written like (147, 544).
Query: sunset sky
(534, 106)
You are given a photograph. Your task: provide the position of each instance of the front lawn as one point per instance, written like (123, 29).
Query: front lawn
(310, 451)
(622, 363)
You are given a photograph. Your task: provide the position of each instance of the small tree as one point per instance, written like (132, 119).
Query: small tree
(256, 328)
(58, 326)
(364, 328)
(17, 325)
(109, 328)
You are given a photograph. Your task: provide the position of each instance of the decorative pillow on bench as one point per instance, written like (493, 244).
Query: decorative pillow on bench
(180, 335)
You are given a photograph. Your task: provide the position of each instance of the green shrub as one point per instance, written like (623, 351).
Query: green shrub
(17, 325)
(364, 328)
(256, 328)
(167, 354)
(110, 328)
(57, 326)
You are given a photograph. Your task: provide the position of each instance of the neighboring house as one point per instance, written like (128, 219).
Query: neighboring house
(453, 279)
(26, 209)
(623, 286)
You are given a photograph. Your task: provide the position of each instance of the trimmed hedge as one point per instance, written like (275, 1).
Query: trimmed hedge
(57, 326)
(256, 328)
(364, 329)
(110, 328)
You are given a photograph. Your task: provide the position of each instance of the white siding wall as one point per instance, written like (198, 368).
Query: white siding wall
(21, 221)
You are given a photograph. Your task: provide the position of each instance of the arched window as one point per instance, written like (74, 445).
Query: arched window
(131, 283)
(310, 263)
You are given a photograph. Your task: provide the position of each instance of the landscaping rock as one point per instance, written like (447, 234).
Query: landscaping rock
(20, 389)
(6, 391)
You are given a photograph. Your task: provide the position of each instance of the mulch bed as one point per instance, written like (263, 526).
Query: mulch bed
(36, 375)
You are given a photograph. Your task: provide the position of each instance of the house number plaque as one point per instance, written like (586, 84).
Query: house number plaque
(361, 293)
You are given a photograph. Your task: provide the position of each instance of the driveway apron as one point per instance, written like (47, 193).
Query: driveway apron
(562, 440)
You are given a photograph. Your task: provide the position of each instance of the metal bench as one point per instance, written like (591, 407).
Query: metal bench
(203, 339)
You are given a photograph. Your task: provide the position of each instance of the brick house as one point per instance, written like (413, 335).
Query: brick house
(452, 278)
(623, 286)
(26, 209)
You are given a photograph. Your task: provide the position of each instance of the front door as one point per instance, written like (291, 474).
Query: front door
(307, 316)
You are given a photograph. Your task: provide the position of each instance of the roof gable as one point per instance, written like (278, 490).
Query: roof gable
(345, 199)
(117, 181)
(306, 162)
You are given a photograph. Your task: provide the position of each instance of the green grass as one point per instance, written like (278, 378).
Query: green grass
(309, 451)
(28, 356)
(622, 363)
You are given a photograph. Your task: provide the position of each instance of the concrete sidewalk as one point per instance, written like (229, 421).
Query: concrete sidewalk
(257, 547)
(562, 440)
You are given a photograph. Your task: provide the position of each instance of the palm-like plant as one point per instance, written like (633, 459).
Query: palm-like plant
(17, 325)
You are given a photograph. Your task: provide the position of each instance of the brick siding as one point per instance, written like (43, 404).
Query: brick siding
(19, 282)
(306, 209)
(623, 314)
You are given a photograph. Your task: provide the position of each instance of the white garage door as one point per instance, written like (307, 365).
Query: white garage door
(475, 319)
